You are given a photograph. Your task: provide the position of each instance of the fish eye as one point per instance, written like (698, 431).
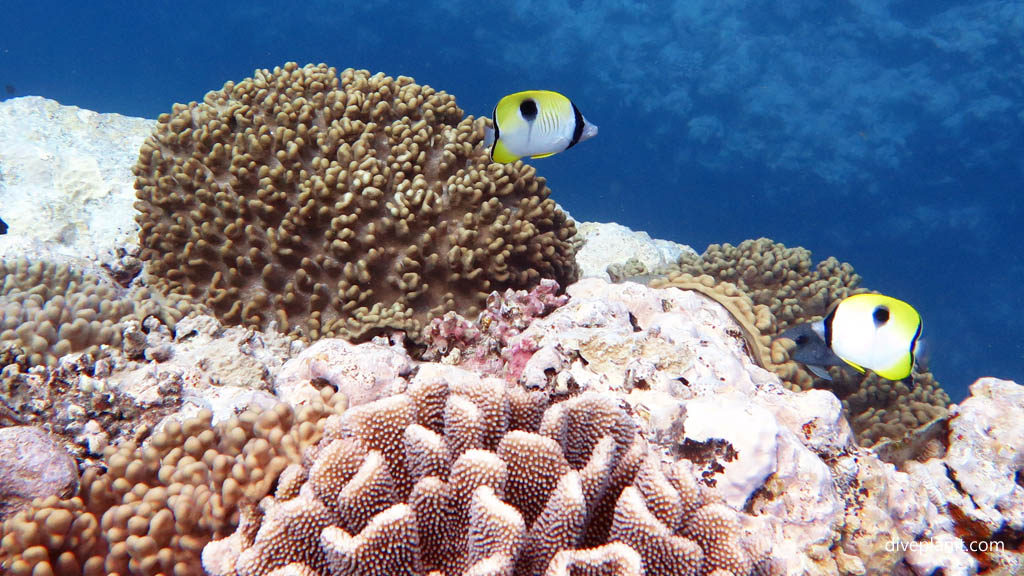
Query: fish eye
(528, 108)
(880, 315)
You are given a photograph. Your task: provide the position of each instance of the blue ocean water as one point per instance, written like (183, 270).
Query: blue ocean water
(889, 134)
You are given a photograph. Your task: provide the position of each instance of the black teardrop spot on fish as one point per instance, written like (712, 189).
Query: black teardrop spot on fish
(881, 315)
(3, 227)
(528, 108)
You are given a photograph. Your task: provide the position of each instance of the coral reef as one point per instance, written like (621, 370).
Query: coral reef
(980, 479)
(489, 345)
(784, 279)
(151, 508)
(460, 485)
(339, 205)
(363, 372)
(621, 440)
(122, 395)
(610, 429)
(672, 353)
(784, 288)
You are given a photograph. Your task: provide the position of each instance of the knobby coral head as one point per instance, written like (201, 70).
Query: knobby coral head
(339, 205)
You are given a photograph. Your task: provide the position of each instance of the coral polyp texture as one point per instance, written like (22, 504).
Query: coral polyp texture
(779, 287)
(151, 508)
(52, 308)
(449, 479)
(339, 205)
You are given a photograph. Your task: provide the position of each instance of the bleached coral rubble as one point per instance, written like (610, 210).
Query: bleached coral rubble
(66, 180)
(608, 243)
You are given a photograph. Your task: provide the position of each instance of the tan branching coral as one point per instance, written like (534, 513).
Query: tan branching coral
(768, 288)
(578, 493)
(155, 506)
(339, 205)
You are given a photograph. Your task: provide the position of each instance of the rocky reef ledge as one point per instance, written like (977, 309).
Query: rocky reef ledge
(603, 429)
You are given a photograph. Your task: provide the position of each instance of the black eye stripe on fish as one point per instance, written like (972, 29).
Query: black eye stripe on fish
(880, 315)
(528, 108)
(828, 327)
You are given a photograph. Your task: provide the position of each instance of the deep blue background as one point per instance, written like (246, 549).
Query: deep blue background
(887, 134)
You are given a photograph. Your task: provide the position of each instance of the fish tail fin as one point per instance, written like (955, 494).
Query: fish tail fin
(488, 136)
(921, 354)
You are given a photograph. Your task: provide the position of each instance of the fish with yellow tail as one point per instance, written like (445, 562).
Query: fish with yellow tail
(865, 331)
(535, 123)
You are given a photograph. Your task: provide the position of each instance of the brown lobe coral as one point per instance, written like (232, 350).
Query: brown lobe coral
(312, 491)
(339, 205)
(50, 309)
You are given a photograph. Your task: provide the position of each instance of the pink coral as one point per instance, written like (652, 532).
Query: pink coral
(489, 345)
(510, 313)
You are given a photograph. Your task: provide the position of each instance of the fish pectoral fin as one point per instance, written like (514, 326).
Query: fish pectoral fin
(500, 153)
(819, 371)
(544, 155)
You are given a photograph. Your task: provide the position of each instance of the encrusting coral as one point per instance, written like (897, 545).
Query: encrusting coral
(447, 479)
(779, 287)
(339, 205)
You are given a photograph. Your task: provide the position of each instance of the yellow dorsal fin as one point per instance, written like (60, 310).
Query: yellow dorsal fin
(544, 155)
